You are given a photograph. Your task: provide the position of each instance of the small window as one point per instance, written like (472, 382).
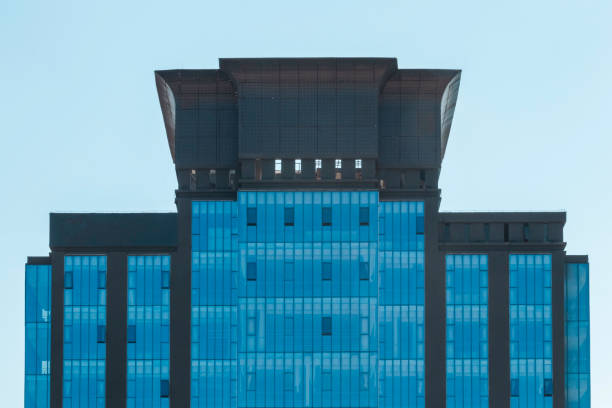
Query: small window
(164, 388)
(326, 326)
(487, 232)
(131, 333)
(326, 216)
(101, 280)
(420, 224)
(358, 163)
(506, 233)
(251, 271)
(298, 166)
(525, 232)
(252, 216)
(165, 279)
(68, 280)
(546, 239)
(364, 216)
(338, 164)
(289, 216)
(548, 387)
(318, 164)
(326, 271)
(101, 334)
(278, 166)
(212, 178)
(514, 387)
(364, 271)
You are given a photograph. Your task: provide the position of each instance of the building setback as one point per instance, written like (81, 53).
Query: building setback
(308, 264)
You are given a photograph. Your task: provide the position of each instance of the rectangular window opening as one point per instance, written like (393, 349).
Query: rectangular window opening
(278, 166)
(298, 166)
(101, 280)
(326, 326)
(131, 333)
(68, 280)
(326, 216)
(548, 387)
(506, 233)
(251, 271)
(289, 216)
(252, 216)
(101, 334)
(358, 164)
(364, 216)
(525, 232)
(364, 271)
(164, 388)
(514, 387)
(338, 163)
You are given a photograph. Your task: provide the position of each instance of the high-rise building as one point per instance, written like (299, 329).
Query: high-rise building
(308, 264)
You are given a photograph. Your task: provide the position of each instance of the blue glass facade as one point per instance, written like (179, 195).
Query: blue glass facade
(577, 337)
(285, 301)
(37, 335)
(401, 313)
(84, 331)
(530, 331)
(148, 331)
(467, 345)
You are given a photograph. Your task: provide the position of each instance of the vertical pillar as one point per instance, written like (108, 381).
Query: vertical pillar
(180, 310)
(558, 327)
(57, 329)
(499, 330)
(435, 311)
(116, 330)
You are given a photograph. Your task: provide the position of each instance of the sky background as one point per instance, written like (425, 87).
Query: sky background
(81, 127)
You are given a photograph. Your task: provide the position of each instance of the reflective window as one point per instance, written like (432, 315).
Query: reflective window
(84, 331)
(401, 314)
(298, 166)
(467, 332)
(358, 163)
(37, 335)
(289, 216)
(530, 330)
(338, 163)
(148, 331)
(326, 216)
(577, 336)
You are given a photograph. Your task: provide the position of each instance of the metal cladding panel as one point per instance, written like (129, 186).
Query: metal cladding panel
(139, 230)
(325, 108)
(206, 119)
(410, 118)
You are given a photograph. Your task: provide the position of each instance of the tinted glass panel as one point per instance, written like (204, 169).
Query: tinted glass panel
(84, 332)
(37, 335)
(577, 337)
(530, 329)
(148, 332)
(467, 343)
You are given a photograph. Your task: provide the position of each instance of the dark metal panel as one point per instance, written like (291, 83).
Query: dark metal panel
(145, 230)
(558, 318)
(180, 310)
(435, 310)
(499, 330)
(57, 328)
(116, 328)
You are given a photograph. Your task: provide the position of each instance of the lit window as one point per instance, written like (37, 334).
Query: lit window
(318, 164)
(298, 166)
(338, 163)
(278, 166)
(357, 163)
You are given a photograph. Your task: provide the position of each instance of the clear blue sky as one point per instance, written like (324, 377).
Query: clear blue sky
(82, 128)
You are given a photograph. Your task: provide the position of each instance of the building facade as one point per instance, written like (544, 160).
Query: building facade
(308, 264)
